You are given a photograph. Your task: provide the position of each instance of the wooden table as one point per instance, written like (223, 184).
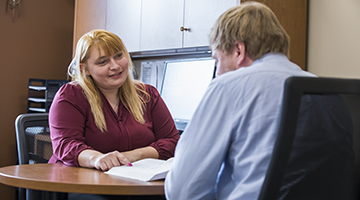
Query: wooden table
(61, 178)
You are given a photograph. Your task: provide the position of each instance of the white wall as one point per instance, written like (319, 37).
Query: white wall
(334, 38)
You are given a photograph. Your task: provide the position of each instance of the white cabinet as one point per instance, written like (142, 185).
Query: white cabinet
(160, 24)
(162, 21)
(200, 17)
(156, 24)
(123, 19)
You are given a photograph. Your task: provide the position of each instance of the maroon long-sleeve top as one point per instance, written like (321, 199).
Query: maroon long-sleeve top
(72, 126)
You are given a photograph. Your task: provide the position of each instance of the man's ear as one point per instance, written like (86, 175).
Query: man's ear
(239, 48)
(243, 58)
(83, 68)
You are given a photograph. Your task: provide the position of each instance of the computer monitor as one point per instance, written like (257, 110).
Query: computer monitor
(184, 84)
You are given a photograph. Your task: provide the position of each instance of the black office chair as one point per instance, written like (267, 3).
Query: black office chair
(34, 146)
(302, 95)
(33, 138)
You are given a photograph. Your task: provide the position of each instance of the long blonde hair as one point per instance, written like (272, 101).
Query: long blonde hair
(132, 93)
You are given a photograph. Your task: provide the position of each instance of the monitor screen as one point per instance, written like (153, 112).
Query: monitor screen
(184, 84)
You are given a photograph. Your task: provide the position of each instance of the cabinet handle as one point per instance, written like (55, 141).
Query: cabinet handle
(184, 29)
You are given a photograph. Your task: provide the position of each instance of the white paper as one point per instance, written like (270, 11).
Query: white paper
(148, 73)
(152, 73)
(160, 74)
(37, 99)
(144, 170)
(37, 87)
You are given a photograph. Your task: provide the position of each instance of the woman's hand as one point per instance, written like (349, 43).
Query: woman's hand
(95, 159)
(105, 162)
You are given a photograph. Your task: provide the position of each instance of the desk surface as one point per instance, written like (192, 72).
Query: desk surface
(61, 178)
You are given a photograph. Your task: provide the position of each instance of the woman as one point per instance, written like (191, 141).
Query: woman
(104, 118)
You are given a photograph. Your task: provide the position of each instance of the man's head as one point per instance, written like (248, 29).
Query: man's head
(252, 25)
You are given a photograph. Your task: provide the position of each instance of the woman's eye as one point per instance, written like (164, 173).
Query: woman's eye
(118, 55)
(102, 62)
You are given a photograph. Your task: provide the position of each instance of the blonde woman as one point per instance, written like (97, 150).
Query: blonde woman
(104, 118)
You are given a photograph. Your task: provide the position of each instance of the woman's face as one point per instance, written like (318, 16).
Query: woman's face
(108, 73)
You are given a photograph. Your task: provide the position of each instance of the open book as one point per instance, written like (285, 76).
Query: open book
(148, 169)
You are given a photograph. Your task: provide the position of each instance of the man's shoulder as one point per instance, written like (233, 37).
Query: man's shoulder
(270, 66)
(237, 76)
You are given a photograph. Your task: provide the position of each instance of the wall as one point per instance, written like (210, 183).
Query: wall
(334, 38)
(38, 44)
(89, 15)
(292, 14)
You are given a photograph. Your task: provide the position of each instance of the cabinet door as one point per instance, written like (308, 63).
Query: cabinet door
(200, 17)
(123, 19)
(160, 24)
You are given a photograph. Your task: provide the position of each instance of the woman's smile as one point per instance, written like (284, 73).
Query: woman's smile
(116, 75)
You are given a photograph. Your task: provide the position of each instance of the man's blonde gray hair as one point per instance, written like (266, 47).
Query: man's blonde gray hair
(253, 24)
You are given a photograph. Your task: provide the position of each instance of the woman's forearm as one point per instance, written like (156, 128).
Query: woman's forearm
(141, 153)
(88, 157)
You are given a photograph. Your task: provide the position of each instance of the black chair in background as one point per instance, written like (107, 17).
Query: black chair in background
(309, 108)
(33, 138)
(33, 146)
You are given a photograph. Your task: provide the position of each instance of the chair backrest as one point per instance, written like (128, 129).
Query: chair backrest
(323, 91)
(33, 138)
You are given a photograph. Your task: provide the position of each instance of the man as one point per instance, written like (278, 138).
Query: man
(225, 150)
